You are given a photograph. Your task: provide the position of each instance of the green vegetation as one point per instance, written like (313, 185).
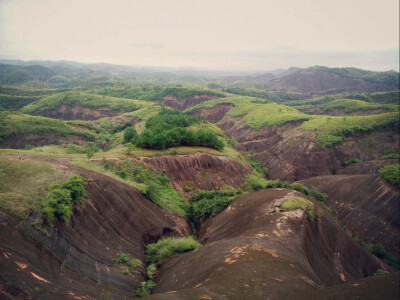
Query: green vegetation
(391, 156)
(14, 102)
(256, 113)
(350, 106)
(14, 125)
(168, 247)
(206, 204)
(255, 182)
(259, 93)
(129, 134)
(153, 93)
(23, 185)
(392, 260)
(313, 192)
(169, 129)
(257, 166)
(157, 253)
(392, 97)
(60, 199)
(333, 130)
(391, 174)
(150, 183)
(327, 140)
(71, 98)
(300, 203)
(351, 161)
(129, 264)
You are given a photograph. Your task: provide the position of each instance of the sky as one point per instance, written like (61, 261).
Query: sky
(224, 35)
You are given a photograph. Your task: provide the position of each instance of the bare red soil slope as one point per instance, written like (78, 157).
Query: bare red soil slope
(77, 259)
(365, 204)
(201, 170)
(253, 251)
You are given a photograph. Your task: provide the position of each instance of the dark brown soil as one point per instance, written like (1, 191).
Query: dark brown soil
(368, 206)
(201, 170)
(252, 251)
(76, 260)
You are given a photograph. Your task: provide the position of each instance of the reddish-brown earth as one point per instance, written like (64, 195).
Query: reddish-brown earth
(79, 112)
(291, 153)
(253, 251)
(368, 206)
(202, 170)
(187, 102)
(76, 260)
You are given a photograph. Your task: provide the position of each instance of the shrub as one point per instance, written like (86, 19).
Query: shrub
(257, 166)
(391, 174)
(157, 253)
(76, 186)
(60, 198)
(327, 140)
(151, 270)
(144, 289)
(57, 206)
(300, 203)
(206, 204)
(351, 161)
(129, 134)
(391, 156)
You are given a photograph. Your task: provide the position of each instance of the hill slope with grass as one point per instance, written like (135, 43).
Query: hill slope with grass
(81, 106)
(323, 80)
(294, 145)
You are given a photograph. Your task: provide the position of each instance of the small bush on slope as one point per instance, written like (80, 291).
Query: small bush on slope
(59, 199)
(165, 248)
(391, 174)
(300, 203)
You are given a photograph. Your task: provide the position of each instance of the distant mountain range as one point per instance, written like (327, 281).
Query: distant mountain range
(305, 82)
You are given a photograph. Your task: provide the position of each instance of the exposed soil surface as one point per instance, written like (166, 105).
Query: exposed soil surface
(200, 171)
(251, 250)
(187, 102)
(371, 288)
(367, 205)
(292, 154)
(76, 260)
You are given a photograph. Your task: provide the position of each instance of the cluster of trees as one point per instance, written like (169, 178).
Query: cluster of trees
(168, 129)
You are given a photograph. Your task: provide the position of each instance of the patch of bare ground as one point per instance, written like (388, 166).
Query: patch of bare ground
(365, 204)
(252, 250)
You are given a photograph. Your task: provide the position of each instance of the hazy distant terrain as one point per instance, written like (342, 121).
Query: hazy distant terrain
(120, 182)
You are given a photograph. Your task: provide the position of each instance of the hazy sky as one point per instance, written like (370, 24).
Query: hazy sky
(210, 34)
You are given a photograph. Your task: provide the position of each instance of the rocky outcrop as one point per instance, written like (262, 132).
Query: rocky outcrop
(252, 249)
(200, 171)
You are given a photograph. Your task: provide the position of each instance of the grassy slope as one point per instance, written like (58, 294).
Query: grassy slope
(256, 112)
(332, 125)
(153, 93)
(55, 101)
(23, 184)
(13, 125)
